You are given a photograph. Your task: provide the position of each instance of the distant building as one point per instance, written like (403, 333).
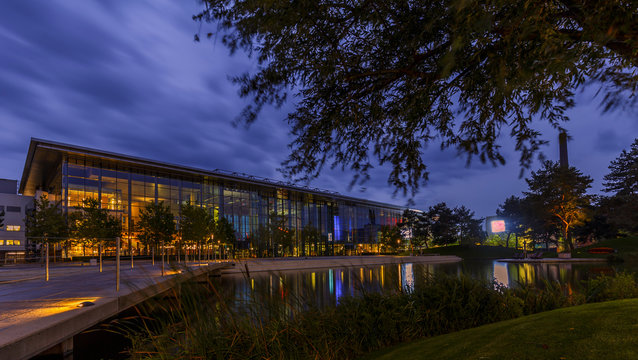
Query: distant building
(12, 235)
(124, 184)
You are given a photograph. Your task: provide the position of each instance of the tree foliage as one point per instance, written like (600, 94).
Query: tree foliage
(310, 235)
(622, 179)
(225, 232)
(46, 222)
(390, 237)
(443, 224)
(93, 224)
(621, 207)
(195, 224)
(515, 212)
(279, 233)
(156, 224)
(379, 81)
(416, 226)
(562, 192)
(469, 229)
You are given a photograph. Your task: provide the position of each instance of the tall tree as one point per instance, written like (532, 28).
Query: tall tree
(623, 173)
(416, 225)
(379, 80)
(444, 224)
(156, 225)
(96, 225)
(514, 211)
(196, 225)
(621, 207)
(46, 224)
(561, 191)
(468, 228)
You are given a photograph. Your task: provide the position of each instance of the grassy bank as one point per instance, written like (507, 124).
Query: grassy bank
(593, 331)
(473, 252)
(627, 248)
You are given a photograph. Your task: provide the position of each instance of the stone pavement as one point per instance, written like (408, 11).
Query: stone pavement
(35, 314)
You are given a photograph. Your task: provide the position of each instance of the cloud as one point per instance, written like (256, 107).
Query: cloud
(127, 77)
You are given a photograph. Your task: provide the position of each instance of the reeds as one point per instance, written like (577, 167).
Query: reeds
(197, 321)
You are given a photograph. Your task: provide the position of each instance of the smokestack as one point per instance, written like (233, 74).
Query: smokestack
(562, 142)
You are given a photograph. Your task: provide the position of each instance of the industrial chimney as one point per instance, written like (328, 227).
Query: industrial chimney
(562, 142)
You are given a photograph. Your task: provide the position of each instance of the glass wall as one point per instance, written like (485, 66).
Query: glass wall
(344, 226)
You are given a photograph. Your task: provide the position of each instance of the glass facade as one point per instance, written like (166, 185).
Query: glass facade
(346, 225)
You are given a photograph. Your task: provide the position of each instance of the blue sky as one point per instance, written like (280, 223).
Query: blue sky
(127, 77)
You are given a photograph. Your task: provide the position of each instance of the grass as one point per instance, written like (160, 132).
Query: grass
(592, 331)
(626, 246)
(473, 252)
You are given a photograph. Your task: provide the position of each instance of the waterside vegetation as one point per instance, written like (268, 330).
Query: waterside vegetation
(199, 322)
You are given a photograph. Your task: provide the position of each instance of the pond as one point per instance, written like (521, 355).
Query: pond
(324, 287)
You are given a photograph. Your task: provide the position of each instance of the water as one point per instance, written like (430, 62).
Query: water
(325, 287)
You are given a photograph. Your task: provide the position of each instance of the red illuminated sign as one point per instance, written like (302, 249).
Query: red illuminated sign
(498, 226)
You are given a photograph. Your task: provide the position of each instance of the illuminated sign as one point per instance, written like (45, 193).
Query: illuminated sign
(497, 226)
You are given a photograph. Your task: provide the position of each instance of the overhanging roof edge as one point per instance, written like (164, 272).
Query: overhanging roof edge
(80, 150)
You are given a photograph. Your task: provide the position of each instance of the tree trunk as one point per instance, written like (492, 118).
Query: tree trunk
(153, 255)
(99, 250)
(507, 240)
(130, 248)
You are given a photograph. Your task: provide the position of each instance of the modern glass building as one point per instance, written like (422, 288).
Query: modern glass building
(124, 184)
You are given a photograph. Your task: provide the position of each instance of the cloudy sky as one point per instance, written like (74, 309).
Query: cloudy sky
(126, 76)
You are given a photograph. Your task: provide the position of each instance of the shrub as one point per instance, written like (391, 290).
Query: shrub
(604, 288)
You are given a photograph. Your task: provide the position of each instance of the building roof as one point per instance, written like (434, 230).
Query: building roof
(44, 156)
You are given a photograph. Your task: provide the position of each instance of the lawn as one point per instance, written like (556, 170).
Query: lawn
(627, 247)
(607, 330)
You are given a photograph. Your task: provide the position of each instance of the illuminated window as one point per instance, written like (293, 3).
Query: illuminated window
(1, 242)
(13, 227)
(9, 242)
(16, 242)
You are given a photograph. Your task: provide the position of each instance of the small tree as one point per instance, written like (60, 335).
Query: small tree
(225, 233)
(310, 235)
(280, 233)
(196, 225)
(96, 226)
(561, 191)
(390, 237)
(46, 224)
(156, 226)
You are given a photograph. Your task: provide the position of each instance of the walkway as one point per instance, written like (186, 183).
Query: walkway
(36, 315)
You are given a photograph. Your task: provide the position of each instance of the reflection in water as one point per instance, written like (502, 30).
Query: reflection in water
(407, 276)
(328, 286)
(500, 273)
